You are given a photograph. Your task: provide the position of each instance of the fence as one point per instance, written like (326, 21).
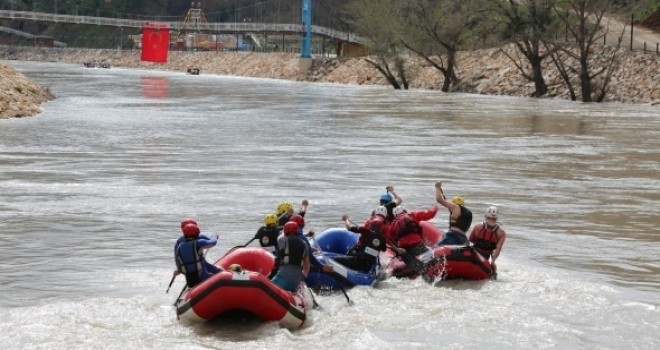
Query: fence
(635, 38)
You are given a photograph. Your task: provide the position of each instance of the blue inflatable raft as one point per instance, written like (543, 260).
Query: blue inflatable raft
(335, 242)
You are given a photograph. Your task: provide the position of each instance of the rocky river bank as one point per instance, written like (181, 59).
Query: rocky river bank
(20, 96)
(636, 77)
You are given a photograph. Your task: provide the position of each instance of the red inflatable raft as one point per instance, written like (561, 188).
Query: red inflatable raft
(446, 262)
(246, 290)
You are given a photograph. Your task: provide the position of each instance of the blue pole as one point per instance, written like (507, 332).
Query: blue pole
(306, 42)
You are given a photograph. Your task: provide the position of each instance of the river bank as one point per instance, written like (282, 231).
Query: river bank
(20, 96)
(635, 77)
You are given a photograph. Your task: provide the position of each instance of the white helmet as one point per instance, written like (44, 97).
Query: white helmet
(398, 210)
(381, 210)
(491, 212)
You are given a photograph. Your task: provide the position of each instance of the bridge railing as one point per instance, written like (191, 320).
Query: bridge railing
(242, 27)
(27, 35)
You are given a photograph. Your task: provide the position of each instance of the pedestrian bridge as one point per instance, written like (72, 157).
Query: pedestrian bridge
(215, 28)
(26, 35)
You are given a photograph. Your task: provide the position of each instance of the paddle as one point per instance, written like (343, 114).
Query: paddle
(180, 294)
(176, 273)
(341, 287)
(315, 304)
(244, 245)
(339, 284)
(238, 246)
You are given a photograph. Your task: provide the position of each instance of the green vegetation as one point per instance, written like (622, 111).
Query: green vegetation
(641, 9)
(281, 11)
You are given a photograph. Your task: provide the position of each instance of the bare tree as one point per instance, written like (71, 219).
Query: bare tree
(583, 20)
(375, 21)
(436, 30)
(527, 23)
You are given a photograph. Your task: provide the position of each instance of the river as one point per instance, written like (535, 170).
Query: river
(92, 191)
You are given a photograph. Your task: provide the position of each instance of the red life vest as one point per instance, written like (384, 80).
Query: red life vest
(405, 231)
(485, 241)
(384, 228)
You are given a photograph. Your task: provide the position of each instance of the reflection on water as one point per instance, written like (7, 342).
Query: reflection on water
(154, 87)
(557, 125)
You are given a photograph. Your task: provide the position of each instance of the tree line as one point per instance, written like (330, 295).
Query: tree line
(564, 32)
(325, 12)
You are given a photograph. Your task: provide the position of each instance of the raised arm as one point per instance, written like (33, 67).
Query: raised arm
(397, 199)
(454, 209)
(303, 207)
(206, 241)
(347, 222)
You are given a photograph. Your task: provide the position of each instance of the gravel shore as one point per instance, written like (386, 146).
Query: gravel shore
(20, 96)
(636, 77)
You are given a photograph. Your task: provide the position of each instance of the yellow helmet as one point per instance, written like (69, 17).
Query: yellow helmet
(284, 207)
(270, 219)
(458, 200)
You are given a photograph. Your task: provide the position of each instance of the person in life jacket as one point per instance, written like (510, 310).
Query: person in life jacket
(267, 234)
(293, 258)
(488, 236)
(285, 211)
(379, 214)
(460, 218)
(389, 200)
(189, 254)
(364, 255)
(407, 236)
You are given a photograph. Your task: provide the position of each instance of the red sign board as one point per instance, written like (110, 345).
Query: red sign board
(155, 42)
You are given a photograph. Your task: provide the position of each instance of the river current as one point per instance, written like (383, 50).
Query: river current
(92, 191)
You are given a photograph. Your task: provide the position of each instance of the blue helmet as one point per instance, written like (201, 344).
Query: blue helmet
(385, 198)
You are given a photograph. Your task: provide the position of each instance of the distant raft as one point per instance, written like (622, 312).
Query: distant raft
(244, 286)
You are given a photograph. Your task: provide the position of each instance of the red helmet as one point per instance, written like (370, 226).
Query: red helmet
(190, 230)
(290, 228)
(185, 222)
(298, 219)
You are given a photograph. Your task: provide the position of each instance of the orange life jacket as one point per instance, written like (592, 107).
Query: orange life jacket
(485, 241)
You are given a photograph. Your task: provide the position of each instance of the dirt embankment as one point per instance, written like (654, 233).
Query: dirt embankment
(20, 96)
(635, 78)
